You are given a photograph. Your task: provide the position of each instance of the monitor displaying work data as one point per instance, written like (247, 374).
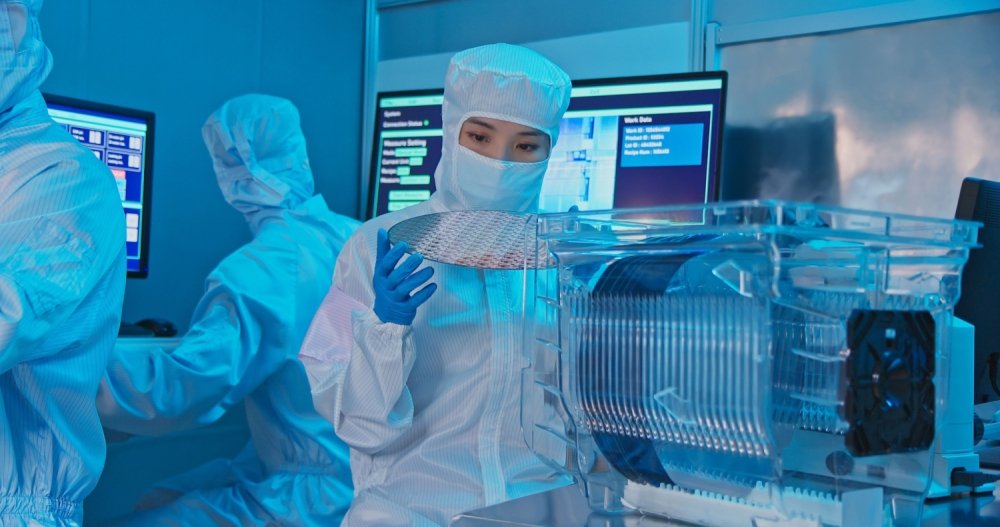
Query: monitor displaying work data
(623, 143)
(122, 139)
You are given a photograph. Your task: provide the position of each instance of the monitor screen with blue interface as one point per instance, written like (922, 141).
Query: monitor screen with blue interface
(623, 143)
(121, 138)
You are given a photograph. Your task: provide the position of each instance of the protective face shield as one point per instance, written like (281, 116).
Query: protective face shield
(25, 62)
(509, 83)
(259, 156)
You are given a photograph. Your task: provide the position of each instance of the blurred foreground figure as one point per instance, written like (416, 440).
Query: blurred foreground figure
(62, 277)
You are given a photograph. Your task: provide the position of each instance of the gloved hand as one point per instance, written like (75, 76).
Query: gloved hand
(394, 285)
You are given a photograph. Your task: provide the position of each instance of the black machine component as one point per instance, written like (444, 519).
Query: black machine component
(889, 404)
(979, 200)
(839, 463)
(963, 478)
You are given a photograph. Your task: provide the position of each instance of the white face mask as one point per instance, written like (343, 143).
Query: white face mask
(484, 183)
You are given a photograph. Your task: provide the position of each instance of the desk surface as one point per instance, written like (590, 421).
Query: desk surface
(566, 507)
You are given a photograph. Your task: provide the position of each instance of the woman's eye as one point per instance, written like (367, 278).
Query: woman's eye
(479, 138)
(527, 147)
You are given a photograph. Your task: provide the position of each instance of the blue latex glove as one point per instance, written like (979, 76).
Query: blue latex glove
(395, 300)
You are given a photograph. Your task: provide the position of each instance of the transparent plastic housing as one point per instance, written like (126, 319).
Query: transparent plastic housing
(786, 359)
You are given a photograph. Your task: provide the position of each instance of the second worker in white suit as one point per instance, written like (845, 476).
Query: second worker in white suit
(243, 342)
(427, 396)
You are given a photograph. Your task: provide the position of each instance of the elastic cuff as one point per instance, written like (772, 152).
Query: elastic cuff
(389, 329)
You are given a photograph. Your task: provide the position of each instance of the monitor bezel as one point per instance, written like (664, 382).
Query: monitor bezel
(147, 173)
(722, 75)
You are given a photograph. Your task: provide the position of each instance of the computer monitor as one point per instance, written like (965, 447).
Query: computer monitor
(123, 139)
(979, 200)
(623, 143)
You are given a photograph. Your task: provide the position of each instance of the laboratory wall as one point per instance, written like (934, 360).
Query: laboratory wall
(436, 26)
(734, 12)
(641, 37)
(875, 105)
(182, 59)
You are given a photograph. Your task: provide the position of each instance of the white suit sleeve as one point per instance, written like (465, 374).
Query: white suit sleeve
(358, 366)
(223, 357)
(154, 392)
(52, 254)
(376, 406)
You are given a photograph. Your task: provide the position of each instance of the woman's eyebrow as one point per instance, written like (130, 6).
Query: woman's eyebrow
(484, 124)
